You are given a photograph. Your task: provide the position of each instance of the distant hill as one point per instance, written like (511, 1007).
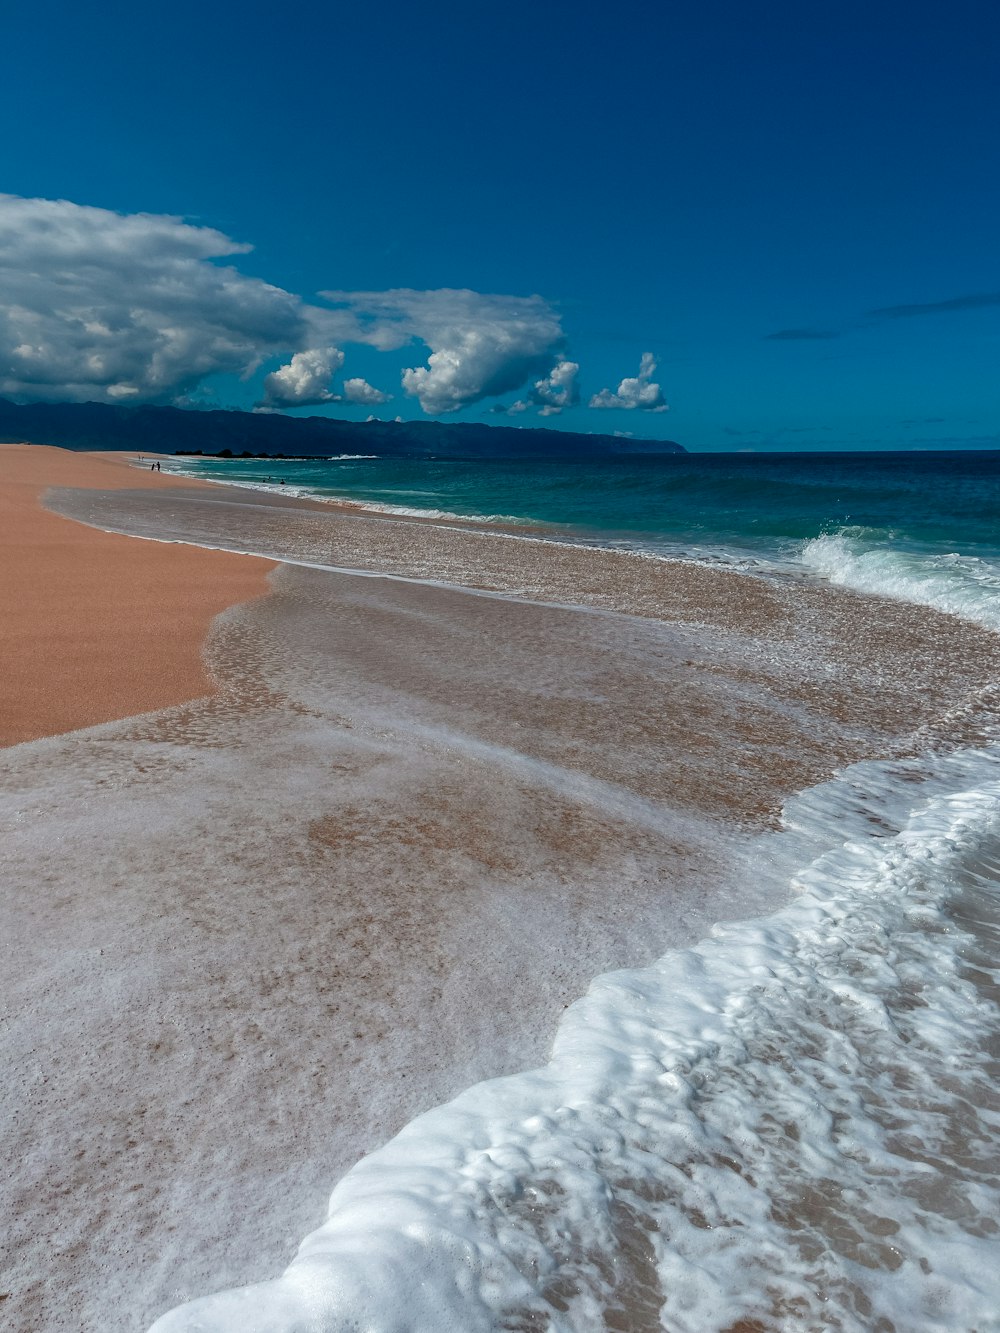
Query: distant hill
(171, 429)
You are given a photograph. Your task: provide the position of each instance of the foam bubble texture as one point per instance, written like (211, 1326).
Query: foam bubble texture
(791, 1123)
(963, 585)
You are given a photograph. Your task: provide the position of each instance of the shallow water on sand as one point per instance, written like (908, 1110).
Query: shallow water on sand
(754, 503)
(413, 827)
(791, 1126)
(250, 938)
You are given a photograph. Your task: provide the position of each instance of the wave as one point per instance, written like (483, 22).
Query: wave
(412, 511)
(777, 1125)
(964, 585)
(310, 492)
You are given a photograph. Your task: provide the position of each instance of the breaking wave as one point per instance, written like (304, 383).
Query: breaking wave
(964, 585)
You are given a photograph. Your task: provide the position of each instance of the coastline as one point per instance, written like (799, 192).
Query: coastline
(376, 867)
(96, 626)
(912, 674)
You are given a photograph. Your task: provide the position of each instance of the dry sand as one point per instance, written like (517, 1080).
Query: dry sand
(95, 626)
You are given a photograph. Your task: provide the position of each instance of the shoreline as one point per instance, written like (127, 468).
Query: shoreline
(377, 866)
(374, 509)
(531, 530)
(94, 629)
(836, 638)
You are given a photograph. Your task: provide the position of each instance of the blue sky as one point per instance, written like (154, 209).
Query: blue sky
(675, 181)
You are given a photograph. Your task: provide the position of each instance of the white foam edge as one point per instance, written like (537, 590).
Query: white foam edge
(961, 585)
(405, 1247)
(356, 571)
(736, 562)
(347, 502)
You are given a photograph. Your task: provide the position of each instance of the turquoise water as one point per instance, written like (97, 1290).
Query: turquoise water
(749, 503)
(918, 527)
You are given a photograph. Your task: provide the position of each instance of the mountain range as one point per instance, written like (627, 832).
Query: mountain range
(187, 430)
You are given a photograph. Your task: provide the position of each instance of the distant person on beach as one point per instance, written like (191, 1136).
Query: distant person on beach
(157, 467)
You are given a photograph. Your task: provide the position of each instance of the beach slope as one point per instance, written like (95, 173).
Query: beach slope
(252, 936)
(96, 626)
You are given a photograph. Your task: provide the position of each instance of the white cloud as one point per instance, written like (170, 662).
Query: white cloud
(637, 392)
(557, 390)
(360, 391)
(144, 308)
(119, 308)
(480, 345)
(305, 381)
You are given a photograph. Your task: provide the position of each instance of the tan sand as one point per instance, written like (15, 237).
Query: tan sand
(96, 626)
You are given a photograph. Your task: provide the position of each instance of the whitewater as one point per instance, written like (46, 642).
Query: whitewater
(789, 1123)
(792, 1125)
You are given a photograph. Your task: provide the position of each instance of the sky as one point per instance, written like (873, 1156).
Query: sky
(735, 225)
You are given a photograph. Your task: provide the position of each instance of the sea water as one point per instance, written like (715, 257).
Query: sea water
(719, 506)
(793, 1125)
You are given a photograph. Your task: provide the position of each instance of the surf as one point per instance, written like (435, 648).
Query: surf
(776, 1125)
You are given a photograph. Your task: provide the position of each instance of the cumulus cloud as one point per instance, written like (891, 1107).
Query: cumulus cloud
(557, 390)
(360, 391)
(480, 345)
(305, 381)
(119, 308)
(550, 394)
(144, 308)
(637, 392)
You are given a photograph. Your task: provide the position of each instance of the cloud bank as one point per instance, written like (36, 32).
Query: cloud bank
(97, 305)
(143, 308)
(635, 393)
(480, 345)
(557, 390)
(550, 394)
(306, 381)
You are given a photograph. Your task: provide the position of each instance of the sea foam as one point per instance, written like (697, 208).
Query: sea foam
(324, 496)
(964, 585)
(793, 1122)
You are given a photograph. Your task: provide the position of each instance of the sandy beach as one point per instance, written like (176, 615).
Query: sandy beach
(285, 871)
(96, 627)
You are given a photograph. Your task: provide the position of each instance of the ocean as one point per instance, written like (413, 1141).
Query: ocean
(787, 1120)
(792, 1125)
(923, 526)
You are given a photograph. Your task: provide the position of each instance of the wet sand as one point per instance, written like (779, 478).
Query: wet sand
(254, 934)
(94, 626)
